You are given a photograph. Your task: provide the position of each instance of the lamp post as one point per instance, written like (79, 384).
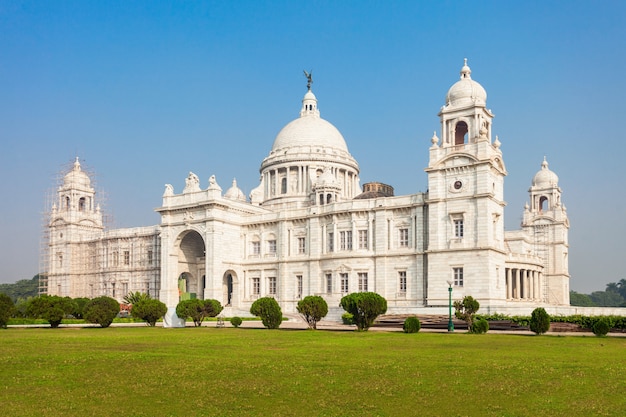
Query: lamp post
(450, 324)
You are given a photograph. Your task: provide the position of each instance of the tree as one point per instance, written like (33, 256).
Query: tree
(364, 307)
(198, 309)
(80, 302)
(6, 310)
(51, 308)
(149, 310)
(268, 309)
(539, 321)
(133, 298)
(312, 308)
(606, 298)
(23, 288)
(622, 288)
(101, 310)
(580, 300)
(466, 309)
(601, 327)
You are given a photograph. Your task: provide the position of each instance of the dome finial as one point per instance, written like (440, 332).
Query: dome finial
(465, 71)
(77, 164)
(544, 164)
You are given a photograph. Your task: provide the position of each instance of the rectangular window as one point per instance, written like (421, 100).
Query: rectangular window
(331, 242)
(256, 248)
(344, 283)
(271, 285)
(124, 288)
(329, 283)
(301, 245)
(271, 247)
(345, 239)
(299, 286)
(256, 286)
(116, 258)
(150, 260)
(362, 281)
(402, 281)
(362, 239)
(126, 257)
(113, 289)
(404, 238)
(458, 228)
(458, 277)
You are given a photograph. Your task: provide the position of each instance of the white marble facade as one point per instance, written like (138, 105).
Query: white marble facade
(309, 228)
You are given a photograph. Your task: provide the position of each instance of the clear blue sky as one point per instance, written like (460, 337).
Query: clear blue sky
(144, 92)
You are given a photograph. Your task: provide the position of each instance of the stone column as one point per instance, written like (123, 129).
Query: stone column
(517, 294)
(509, 289)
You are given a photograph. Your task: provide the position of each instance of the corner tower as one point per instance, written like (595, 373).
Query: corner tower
(465, 200)
(546, 223)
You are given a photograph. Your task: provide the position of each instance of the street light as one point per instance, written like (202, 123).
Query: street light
(450, 324)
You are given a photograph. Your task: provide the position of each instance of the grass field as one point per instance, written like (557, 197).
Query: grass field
(254, 372)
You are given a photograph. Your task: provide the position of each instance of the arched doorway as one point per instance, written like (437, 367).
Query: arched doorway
(229, 283)
(191, 265)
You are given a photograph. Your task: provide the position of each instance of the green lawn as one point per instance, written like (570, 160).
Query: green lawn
(235, 372)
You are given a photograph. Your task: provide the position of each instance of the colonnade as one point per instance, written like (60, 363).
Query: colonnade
(523, 284)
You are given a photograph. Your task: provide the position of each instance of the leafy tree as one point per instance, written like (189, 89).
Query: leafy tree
(6, 310)
(268, 309)
(606, 298)
(21, 307)
(80, 302)
(313, 308)
(364, 307)
(539, 321)
(466, 309)
(51, 308)
(411, 325)
(580, 300)
(23, 288)
(612, 287)
(198, 309)
(622, 288)
(101, 310)
(133, 298)
(149, 310)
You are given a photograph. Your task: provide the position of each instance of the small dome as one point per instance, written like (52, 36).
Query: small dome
(309, 130)
(327, 180)
(76, 177)
(466, 90)
(545, 178)
(235, 193)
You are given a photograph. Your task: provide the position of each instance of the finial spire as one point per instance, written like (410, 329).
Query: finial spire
(309, 77)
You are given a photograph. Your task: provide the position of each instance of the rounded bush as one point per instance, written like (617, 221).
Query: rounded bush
(101, 310)
(51, 308)
(149, 310)
(601, 327)
(236, 321)
(6, 310)
(268, 309)
(313, 308)
(412, 325)
(347, 318)
(364, 307)
(480, 326)
(539, 321)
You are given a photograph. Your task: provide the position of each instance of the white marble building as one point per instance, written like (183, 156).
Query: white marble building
(309, 228)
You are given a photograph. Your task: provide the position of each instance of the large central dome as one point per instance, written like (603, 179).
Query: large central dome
(309, 130)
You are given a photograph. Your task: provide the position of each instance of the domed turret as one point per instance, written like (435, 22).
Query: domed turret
(235, 193)
(77, 178)
(545, 178)
(466, 91)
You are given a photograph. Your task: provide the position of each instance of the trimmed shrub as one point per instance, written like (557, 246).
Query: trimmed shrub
(602, 327)
(51, 308)
(539, 321)
(364, 307)
(212, 307)
(193, 308)
(149, 310)
(466, 309)
(480, 326)
(101, 310)
(269, 311)
(347, 318)
(133, 298)
(6, 310)
(412, 325)
(312, 308)
(80, 303)
(236, 321)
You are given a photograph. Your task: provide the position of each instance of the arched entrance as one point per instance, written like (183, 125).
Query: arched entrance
(229, 284)
(191, 265)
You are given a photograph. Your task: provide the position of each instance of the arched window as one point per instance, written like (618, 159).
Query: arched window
(329, 198)
(321, 199)
(67, 203)
(81, 204)
(543, 203)
(460, 133)
(283, 186)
